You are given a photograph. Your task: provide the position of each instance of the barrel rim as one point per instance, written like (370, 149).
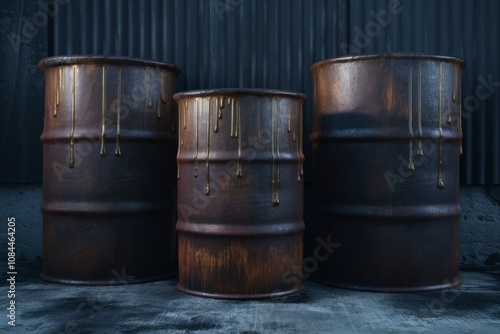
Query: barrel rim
(54, 61)
(238, 91)
(400, 55)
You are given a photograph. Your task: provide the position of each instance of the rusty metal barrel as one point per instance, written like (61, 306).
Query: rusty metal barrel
(109, 187)
(386, 146)
(240, 193)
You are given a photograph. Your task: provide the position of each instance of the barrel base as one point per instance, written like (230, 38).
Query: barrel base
(108, 249)
(111, 281)
(239, 296)
(391, 289)
(240, 267)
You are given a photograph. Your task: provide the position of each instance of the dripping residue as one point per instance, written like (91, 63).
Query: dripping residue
(162, 93)
(216, 126)
(275, 151)
(185, 121)
(182, 115)
(118, 152)
(289, 120)
(440, 156)
(163, 99)
(459, 92)
(238, 134)
(301, 148)
(219, 106)
(147, 79)
(158, 111)
(411, 165)
(207, 156)
(455, 84)
(419, 111)
(196, 139)
(298, 116)
(72, 134)
(58, 83)
(234, 119)
(103, 108)
(258, 123)
(449, 113)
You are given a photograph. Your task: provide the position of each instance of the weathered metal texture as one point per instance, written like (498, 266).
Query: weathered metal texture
(386, 145)
(109, 187)
(240, 193)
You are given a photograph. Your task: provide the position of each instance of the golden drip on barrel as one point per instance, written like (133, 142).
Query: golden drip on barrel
(420, 150)
(449, 113)
(118, 152)
(147, 79)
(275, 152)
(196, 138)
(158, 111)
(289, 119)
(207, 157)
(455, 84)
(218, 109)
(294, 135)
(238, 131)
(297, 145)
(234, 119)
(216, 127)
(58, 83)
(163, 98)
(72, 134)
(103, 107)
(258, 123)
(411, 166)
(300, 140)
(182, 115)
(440, 154)
(459, 93)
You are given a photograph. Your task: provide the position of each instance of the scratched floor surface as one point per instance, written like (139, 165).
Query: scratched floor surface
(158, 307)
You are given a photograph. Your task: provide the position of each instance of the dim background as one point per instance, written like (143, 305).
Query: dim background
(249, 43)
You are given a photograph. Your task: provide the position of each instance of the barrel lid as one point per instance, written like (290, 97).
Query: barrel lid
(238, 91)
(49, 62)
(400, 55)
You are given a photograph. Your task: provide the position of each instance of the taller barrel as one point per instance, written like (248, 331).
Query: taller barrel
(109, 187)
(240, 193)
(386, 146)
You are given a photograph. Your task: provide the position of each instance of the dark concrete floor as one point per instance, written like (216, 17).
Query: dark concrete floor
(158, 307)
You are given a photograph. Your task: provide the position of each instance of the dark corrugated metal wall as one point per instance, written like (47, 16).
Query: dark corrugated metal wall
(271, 44)
(21, 92)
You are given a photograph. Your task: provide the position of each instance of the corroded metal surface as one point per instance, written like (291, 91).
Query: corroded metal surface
(109, 191)
(386, 145)
(240, 193)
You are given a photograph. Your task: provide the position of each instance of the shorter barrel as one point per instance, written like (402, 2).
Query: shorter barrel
(386, 146)
(240, 193)
(109, 187)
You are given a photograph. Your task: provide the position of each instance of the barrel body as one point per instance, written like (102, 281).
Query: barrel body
(109, 187)
(386, 145)
(240, 193)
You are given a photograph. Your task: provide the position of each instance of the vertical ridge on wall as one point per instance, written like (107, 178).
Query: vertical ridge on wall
(273, 43)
